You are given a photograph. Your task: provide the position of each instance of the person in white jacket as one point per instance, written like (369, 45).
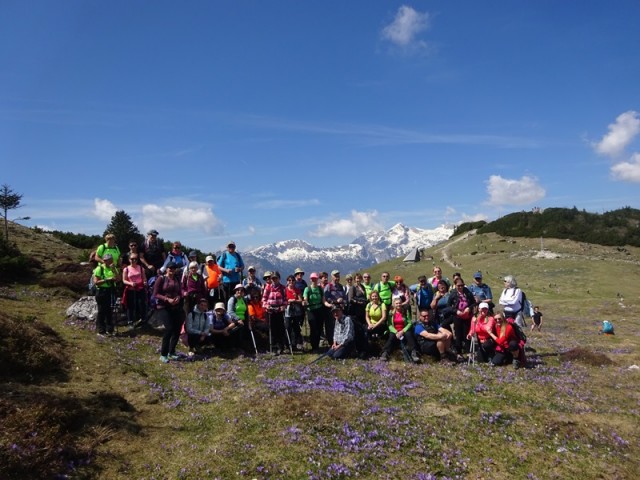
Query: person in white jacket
(512, 300)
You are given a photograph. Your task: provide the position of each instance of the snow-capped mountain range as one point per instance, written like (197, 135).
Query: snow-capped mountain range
(366, 250)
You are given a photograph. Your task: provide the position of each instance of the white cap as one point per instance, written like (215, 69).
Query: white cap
(483, 305)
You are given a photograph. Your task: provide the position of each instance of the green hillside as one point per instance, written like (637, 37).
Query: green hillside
(75, 407)
(618, 227)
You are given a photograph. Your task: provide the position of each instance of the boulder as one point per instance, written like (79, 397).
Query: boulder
(84, 309)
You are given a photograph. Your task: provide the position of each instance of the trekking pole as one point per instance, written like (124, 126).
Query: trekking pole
(253, 338)
(289, 340)
(472, 351)
(270, 338)
(320, 357)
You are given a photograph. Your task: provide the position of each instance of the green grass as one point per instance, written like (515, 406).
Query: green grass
(117, 412)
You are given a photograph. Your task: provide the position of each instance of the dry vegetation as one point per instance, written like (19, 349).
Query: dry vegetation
(73, 406)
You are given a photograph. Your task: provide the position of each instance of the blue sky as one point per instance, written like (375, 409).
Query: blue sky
(263, 121)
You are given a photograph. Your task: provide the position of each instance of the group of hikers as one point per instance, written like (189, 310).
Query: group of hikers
(218, 303)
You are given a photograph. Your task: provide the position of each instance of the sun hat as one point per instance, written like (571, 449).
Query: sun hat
(298, 270)
(220, 306)
(335, 272)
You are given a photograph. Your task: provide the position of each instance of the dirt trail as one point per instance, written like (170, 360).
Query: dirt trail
(445, 251)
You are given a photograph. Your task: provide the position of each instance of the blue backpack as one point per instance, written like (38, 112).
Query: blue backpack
(607, 327)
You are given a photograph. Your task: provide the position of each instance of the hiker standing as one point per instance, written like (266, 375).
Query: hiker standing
(168, 292)
(104, 278)
(232, 266)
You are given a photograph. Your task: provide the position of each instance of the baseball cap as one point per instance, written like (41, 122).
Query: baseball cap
(477, 275)
(313, 275)
(153, 232)
(220, 306)
(209, 259)
(483, 305)
(335, 272)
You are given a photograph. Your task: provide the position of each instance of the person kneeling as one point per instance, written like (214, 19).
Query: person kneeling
(507, 348)
(343, 334)
(225, 328)
(197, 326)
(433, 340)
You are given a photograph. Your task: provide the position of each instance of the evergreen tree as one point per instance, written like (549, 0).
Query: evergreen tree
(124, 230)
(9, 200)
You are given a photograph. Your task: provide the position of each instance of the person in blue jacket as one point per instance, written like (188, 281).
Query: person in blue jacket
(232, 266)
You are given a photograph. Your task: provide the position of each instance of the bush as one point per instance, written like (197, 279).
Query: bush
(13, 265)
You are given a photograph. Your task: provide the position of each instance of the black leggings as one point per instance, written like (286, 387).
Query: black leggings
(172, 319)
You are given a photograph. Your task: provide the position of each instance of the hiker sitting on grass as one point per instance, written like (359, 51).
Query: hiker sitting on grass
(197, 326)
(225, 328)
(507, 348)
(343, 334)
(400, 330)
(433, 340)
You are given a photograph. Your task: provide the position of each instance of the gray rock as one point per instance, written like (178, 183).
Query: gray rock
(84, 309)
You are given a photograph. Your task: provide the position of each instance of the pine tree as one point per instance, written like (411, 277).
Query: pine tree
(9, 200)
(124, 230)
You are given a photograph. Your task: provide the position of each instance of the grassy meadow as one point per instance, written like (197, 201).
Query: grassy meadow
(75, 407)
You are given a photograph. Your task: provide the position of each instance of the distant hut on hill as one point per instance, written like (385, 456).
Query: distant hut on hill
(414, 256)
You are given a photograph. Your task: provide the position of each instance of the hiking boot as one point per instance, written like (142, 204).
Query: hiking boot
(101, 336)
(164, 359)
(173, 356)
(516, 364)
(385, 356)
(414, 357)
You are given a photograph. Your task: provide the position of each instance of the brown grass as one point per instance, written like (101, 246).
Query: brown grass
(586, 357)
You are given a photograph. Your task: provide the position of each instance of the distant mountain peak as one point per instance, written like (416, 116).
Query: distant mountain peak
(366, 250)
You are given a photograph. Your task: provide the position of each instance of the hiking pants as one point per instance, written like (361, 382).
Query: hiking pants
(172, 319)
(315, 327)
(104, 319)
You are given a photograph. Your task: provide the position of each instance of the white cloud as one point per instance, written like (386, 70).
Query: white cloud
(103, 209)
(628, 171)
(504, 191)
(170, 218)
(620, 135)
(474, 218)
(406, 26)
(349, 227)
